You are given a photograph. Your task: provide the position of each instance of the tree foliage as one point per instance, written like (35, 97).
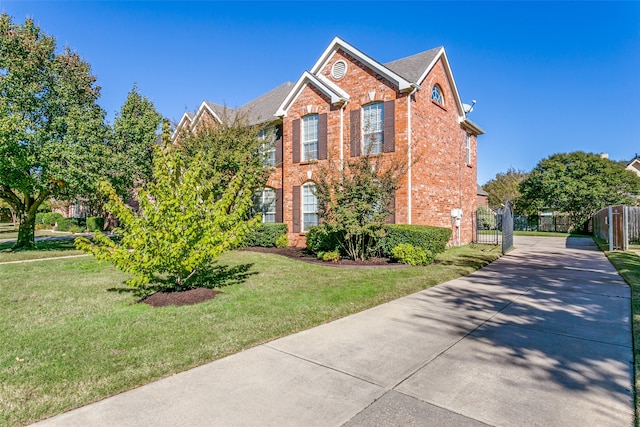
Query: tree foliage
(354, 204)
(578, 184)
(505, 186)
(182, 226)
(52, 131)
(227, 148)
(134, 136)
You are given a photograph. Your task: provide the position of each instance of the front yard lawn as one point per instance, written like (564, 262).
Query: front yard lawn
(67, 340)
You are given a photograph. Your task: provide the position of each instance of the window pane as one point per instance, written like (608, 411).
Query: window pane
(436, 94)
(310, 137)
(373, 128)
(309, 207)
(269, 146)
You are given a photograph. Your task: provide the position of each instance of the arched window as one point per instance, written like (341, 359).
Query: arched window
(309, 206)
(436, 95)
(265, 203)
(373, 128)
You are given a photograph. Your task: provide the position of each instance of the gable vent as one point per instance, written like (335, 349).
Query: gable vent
(339, 69)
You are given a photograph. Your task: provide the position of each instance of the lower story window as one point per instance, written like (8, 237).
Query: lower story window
(265, 203)
(309, 206)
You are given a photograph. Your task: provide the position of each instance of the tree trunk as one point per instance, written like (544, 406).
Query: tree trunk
(26, 231)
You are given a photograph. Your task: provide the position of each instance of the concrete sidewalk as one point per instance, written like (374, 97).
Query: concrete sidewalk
(540, 337)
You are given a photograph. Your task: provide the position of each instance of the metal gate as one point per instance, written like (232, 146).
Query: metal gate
(495, 227)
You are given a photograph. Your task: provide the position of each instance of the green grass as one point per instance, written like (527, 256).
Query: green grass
(67, 340)
(628, 265)
(45, 249)
(8, 231)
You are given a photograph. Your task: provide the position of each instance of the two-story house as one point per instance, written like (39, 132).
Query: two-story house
(347, 105)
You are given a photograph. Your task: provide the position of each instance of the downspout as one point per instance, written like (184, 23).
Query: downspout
(409, 158)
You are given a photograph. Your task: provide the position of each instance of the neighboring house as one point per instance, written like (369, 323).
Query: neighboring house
(483, 198)
(634, 165)
(347, 105)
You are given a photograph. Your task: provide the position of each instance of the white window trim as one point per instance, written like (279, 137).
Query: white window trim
(365, 143)
(303, 141)
(307, 185)
(269, 146)
(467, 147)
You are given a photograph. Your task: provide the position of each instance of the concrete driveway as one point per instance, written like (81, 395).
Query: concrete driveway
(540, 337)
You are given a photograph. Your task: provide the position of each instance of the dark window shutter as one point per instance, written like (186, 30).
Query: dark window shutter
(295, 137)
(296, 209)
(322, 137)
(355, 133)
(279, 147)
(391, 219)
(389, 144)
(279, 206)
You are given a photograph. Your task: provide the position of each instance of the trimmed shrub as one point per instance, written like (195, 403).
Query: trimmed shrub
(282, 241)
(95, 223)
(65, 224)
(50, 218)
(321, 239)
(432, 239)
(76, 229)
(266, 235)
(333, 256)
(411, 255)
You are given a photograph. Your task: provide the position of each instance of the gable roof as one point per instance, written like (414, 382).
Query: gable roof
(415, 66)
(330, 89)
(337, 43)
(264, 108)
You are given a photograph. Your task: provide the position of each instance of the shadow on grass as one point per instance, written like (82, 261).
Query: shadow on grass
(59, 244)
(214, 276)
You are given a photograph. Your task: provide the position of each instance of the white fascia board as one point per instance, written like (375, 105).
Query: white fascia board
(337, 96)
(185, 120)
(204, 106)
(337, 42)
(470, 126)
(334, 87)
(456, 95)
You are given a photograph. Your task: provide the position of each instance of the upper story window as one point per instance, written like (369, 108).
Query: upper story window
(436, 95)
(467, 148)
(265, 203)
(268, 138)
(373, 128)
(310, 137)
(309, 206)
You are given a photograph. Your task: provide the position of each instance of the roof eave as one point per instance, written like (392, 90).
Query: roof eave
(336, 95)
(403, 84)
(471, 127)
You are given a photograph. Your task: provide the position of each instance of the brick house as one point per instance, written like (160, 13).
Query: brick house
(348, 104)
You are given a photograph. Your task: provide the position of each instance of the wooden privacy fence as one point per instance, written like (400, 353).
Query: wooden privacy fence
(618, 225)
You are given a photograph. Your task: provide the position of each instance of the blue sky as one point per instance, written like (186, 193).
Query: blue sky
(548, 77)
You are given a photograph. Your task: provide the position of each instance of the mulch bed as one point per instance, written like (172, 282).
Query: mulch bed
(301, 254)
(192, 296)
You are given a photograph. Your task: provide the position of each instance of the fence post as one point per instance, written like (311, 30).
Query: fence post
(625, 228)
(610, 228)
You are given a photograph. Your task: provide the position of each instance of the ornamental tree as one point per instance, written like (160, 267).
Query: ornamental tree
(52, 131)
(182, 226)
(578, 184)
(356, 202)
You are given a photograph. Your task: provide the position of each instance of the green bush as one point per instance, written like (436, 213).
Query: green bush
(282, 241)
(321, 239)
(333, 256)
(431, 239)
(412, 255)
(65, 224)
(95, 223)
(50, 218)
(266, 235)
(76, 228)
